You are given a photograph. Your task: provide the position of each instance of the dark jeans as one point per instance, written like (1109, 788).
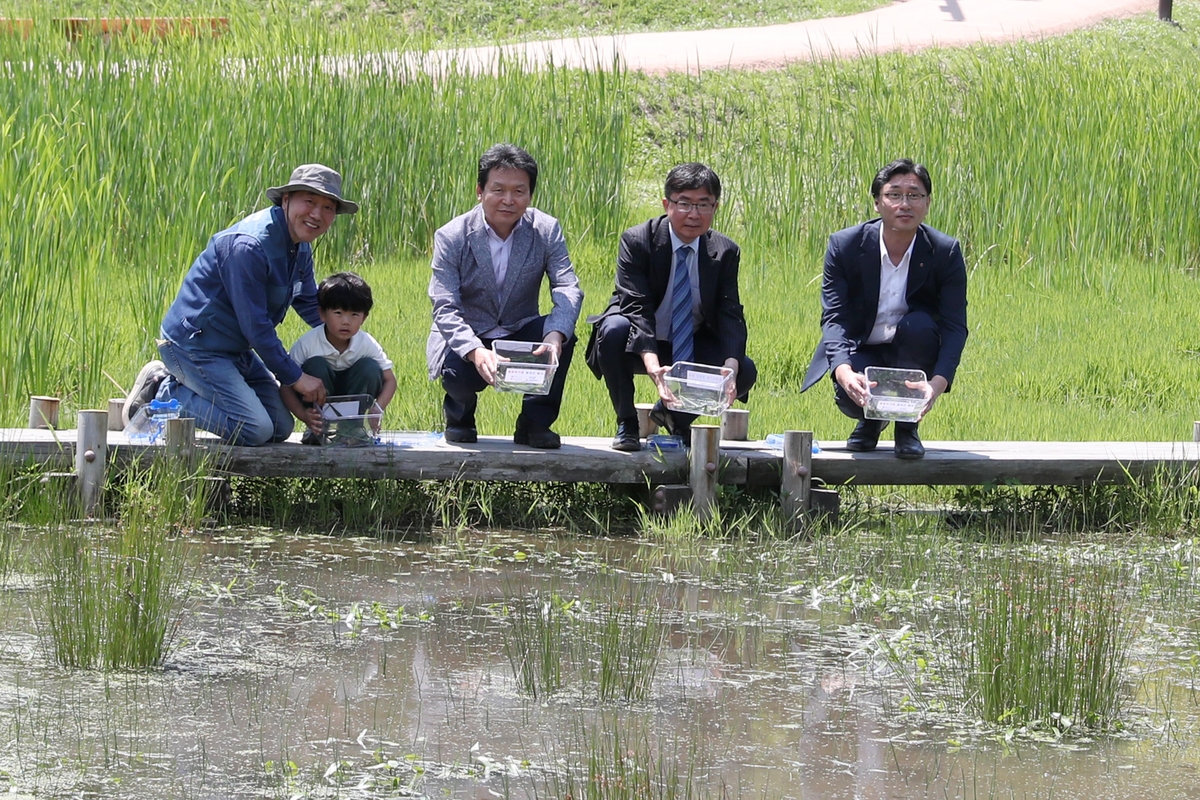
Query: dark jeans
(619, 366)
(915, 346)
(463, 383)
(364, 376)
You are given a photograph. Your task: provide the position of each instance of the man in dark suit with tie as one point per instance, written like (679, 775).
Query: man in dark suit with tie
(488, 267)
(894, 295)
(676, 299)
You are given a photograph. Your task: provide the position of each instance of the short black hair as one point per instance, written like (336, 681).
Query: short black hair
(692, 175)
(507, 156)
(901, 166)
(346, 291)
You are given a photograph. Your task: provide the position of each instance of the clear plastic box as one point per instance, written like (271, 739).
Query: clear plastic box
(149, 424)
(350, 420)
(891, 398)
(525, 367)
(699, 388)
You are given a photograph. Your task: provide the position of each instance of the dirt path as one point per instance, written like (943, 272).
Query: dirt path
(906, 25)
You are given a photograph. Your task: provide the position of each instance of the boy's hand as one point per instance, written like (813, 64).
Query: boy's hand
(312, 418)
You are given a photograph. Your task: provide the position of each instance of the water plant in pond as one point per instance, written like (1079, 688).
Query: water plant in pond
(112, 598)
(623, 642)
(537, 640)
(1047, 642)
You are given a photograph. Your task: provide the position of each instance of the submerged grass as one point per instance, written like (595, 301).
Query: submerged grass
(112, 597)
(1047, 643)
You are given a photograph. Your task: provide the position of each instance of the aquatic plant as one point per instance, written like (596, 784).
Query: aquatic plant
(1046, 641)
(112, 597)
(536, 641)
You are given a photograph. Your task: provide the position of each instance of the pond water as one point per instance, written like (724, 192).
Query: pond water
(310, 666)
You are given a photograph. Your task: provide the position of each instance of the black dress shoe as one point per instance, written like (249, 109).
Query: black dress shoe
(908, 443)
(627, 440)
(865, 435)
(661, 416)
(541, 438)
(461, 435)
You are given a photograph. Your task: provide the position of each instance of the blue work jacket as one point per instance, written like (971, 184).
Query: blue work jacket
(239, 290)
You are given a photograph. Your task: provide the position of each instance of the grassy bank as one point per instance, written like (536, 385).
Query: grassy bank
(1062, 165)
(472, 21)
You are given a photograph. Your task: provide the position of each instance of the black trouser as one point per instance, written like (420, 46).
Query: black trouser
(915, 346)
(618, 366)
(463, 383)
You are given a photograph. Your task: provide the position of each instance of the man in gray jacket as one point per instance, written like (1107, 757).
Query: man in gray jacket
(488, 266)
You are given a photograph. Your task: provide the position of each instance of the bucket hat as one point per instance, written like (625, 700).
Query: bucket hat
(316, 178)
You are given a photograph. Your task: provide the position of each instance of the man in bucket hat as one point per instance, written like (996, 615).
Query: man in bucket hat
(221, 357)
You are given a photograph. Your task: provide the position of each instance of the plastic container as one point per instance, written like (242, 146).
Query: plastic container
(890, 397)
(775, 442)
(350, 420)
(149, 424)
(411, 440)
(525, 367)
(699, 388)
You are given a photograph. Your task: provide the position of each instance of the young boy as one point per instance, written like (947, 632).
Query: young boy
(348, 360)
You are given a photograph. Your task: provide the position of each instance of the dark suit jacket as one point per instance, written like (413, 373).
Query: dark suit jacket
(937, 285)
(643, 270)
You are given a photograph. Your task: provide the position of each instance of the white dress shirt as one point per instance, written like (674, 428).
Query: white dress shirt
(893, 293)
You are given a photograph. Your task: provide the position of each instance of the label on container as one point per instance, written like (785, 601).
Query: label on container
(897, 405)
(524, 376)
(705, 380)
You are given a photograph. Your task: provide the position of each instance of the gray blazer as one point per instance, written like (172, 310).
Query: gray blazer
(463, 290)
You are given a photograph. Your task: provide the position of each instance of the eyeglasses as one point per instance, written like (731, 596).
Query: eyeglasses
(703, 209)
(896, 197)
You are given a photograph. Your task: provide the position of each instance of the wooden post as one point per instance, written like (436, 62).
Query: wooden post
(180, 439)
(43, 412)
(667, 499)
(116, 406)
(797, 475)
(645, 426)
(1196, 431)
(91, 456)
(735, 425)
(1165, 7)
(706, 451)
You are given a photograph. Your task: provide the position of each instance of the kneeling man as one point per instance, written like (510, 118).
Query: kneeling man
(488, 268)
(676, 299)
(894, 295)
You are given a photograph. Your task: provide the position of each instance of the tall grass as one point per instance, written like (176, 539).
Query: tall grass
(1047, 643)
(112, 598)
(1061, 165)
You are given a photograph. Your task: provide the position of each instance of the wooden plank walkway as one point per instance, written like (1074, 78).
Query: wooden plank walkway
(589, 459)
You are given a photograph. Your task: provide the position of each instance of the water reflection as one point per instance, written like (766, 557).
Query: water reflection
(358, 668)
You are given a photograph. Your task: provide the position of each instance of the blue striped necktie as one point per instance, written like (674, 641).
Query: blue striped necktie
(681, 309)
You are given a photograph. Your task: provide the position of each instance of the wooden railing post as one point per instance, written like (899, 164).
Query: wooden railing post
(706, 452)
(91, 457)
(180, 439)
(116, 407)
(735, 425)
(43, 412)
(797, 476)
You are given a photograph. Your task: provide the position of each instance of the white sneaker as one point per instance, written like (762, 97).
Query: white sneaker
(145, 387)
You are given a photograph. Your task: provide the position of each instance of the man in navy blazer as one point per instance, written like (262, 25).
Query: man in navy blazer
(488, 268)
(677, 254)
(894, 295)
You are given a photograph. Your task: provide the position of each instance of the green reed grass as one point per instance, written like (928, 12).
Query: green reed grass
(112, 598)
(623, 644)
(1048, 643)
(537, 640)
(1060, 164)
(610, 764)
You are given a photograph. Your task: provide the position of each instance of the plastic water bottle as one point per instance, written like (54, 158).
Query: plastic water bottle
(149, 424)
(775, 442)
